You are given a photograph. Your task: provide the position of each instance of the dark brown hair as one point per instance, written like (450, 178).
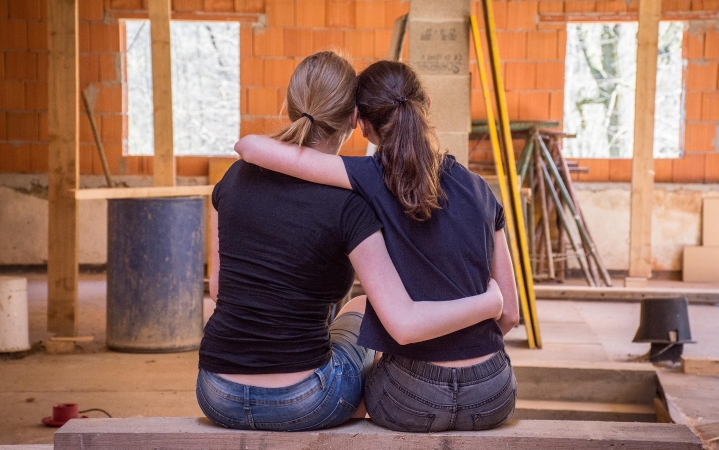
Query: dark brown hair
(320, 99)
(391, 98)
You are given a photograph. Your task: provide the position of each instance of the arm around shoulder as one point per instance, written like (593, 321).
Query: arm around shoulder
(503, 272)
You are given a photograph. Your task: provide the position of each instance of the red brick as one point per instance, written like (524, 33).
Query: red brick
(36, 95)
(12, 95)
(711, 46)
(85, 158)
(711, 168)
(277, 71)
(246, 40)
(340, 13)
(580, 6)
(382, 39)
(113, 128)
(109, 99)
(83, 36)
(663, 170)
(394, 9)
(104, 37)
(219, 5)
(542, 45)
(521, 15)
(20, 65)
(699, 136)
(710, 106)
(499, 10)
(701, 76)
(370, 14)
(187, 5)
(3, 9)
(113, 153)
(38, 158)
(611, 5)
(551, 7)
(512, 99)
(13, 35)
(693, 105)
(327, 39)
(6, 158)
(297, 41)
(597, 169)
(2, 65)
(85, 129)
(512, 45)
(262, 101)
(27, 9)
(37, 35)
(3, 125)
(550, 76)
(22, 126)
(89, 69)
(359, 43)
(192, 166)
(561, 44)
(268, 42)
(520, 76)
(126, 4)
(676, 5)
(90, 10)
(251, 72)
(42, 122)
(109, 66)
(310, 13)
(21, 159)
(280, 13)
(533, 106)
(705, 5)
(556, 106)
(620, 169)
(689, 169)
(250, 6)
(693, 45)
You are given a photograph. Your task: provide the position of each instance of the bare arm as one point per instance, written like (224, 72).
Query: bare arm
(503, 272)
(215, 256)
(408, 321)
(300, 162)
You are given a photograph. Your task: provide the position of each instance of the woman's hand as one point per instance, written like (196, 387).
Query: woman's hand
(496, 296)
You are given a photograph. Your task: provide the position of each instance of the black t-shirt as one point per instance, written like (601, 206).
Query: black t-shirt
(446, 257)
(283, 263)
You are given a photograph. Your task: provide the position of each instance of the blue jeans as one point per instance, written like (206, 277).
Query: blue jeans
(407, 395)
(326, 398)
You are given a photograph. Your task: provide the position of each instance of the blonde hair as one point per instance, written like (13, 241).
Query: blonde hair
(320, 99)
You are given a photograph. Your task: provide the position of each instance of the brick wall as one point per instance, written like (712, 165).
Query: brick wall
(532, 54)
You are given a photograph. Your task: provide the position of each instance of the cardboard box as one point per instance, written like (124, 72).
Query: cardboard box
(701, 264)
(710, 222)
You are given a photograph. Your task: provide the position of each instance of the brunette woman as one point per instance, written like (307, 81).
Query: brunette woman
(444, 232)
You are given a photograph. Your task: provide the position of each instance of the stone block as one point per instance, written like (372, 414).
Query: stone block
(439, 48)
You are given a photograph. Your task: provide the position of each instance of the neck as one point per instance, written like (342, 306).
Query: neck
(330, 146)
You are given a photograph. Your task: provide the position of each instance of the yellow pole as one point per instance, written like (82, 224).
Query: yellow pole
(499, 164)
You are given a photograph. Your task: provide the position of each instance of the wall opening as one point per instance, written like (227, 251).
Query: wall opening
(205, 87)
(600, 80)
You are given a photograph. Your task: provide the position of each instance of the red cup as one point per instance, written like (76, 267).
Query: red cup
(61, 413)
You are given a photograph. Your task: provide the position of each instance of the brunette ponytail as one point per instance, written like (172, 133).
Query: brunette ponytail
(391, 98)
(320, 99)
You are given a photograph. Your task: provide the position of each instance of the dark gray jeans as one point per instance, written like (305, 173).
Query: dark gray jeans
(407, 395)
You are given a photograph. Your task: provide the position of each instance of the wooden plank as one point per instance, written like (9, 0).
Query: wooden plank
(564, 410)
(697, 365)
(695, 296)
(631, 16)
(143, 192)
(196, 433)
(63, 174)
(205, 16)
(640, 224)
(164, 160)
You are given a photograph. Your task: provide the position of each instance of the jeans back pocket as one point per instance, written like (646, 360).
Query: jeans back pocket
(392, 414)
(495, 416)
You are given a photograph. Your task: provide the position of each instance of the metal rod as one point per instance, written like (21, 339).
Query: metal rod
(545, 217)
(98, 143)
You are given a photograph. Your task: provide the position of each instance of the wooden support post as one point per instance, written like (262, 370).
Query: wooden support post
(164, 161)
(640, 228)
(63, 131)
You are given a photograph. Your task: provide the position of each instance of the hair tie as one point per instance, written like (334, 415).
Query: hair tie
(399, 101)
(312, 119)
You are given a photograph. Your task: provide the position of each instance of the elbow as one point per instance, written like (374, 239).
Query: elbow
(243, 148)
(511, 317)
(402, 335)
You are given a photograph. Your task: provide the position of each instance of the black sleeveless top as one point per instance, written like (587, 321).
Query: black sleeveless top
(446, 257)
(283, 264)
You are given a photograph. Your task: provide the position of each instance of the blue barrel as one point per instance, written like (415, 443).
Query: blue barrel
(154, 274)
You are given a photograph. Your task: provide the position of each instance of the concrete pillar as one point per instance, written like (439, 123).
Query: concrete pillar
(439, 51)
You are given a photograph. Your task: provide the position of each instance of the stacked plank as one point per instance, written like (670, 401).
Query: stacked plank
(700, 262)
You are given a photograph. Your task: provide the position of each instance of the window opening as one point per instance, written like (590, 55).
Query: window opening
(600, 80)
(205, 87)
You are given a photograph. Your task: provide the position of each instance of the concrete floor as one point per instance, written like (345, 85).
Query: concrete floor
(131, 385)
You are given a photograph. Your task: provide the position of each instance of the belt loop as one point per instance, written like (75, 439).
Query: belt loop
(318, 372)
(454, 379)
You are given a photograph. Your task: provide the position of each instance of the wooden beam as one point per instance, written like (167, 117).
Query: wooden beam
(706, 296)
(640, 226)
(682, 16)
(195, 433)
(700, 365)
(143, 192)
(243, 18)
(63, 131)
(164, 160)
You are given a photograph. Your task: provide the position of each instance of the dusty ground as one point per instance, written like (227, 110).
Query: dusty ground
(127, 385)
